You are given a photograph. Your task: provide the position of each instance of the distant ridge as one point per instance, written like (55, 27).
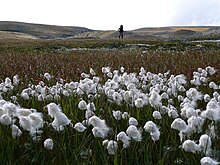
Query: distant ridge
(21, 30)
(42, 31)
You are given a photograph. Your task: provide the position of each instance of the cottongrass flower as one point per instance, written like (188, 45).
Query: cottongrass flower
(155, 99)
(157, 115)
(60, 121)
(182, 89)
(25, 123)
(89, 114)
(184, 130)
(180, 98)
(212, 104)
(155, 136)
(207, 98)
(36, 119)
(125, 115)
(117, 114)
(179, 124)
(25, 96)
(82, 105)
(16, 132)
(208, 161)
(2, 112)
(139, 103)
(190, 146)
(164, 95)
(187, 111)
(92, 72)
(122, 69)
(132, 121)
(48, 144)
(194, 95)
(16, 80)
(91, 106)
(112, 147)
(100, 129)
(173, 113)
(53, 109)
(124, 138)
(47, 76)
(99, 132)
(134, 133)
(23, 112)
(211, 70)
(196, 123)
(5, 119)
(97, 122)
(117, 98)
(10, 109)
(212, 111)
(79, 127)
(213, 85)
(152, 128)
(8, 82)
(205, 144)
(216, 95)
(106, 70)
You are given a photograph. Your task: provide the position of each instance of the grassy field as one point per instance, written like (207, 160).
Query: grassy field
(85, 83)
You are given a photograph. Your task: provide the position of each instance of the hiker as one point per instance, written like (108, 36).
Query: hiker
(121, 32)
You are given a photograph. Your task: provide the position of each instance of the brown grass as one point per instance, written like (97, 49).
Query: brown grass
(197, 29)
(69, 65)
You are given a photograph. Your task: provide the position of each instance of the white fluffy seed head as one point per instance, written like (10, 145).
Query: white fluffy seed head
(157, 115)
(79, 127)
(10, 109)
(112, 147)
(125, 115)
(150, 126)
(124, 138)
(5, 119)
(179, 124)
(16, 132)
(91, 106)
(53, 109)
(205, 143)
(60, 121)
(139, 103)
(173, 113)
(155, 135)
(195, 123)
(99, 132)
(133, 121)
(25, 123)
(207, 98)
(117, 115)
(208, 161)
(82, 105)
(36, 120)
(134, 133)
(48, 144)
(190, 146)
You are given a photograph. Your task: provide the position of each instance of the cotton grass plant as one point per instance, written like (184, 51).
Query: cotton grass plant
(130, 118)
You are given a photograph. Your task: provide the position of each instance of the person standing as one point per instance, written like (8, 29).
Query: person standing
(121, 31)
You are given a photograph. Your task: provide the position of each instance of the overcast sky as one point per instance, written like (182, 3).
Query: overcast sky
(110, 14)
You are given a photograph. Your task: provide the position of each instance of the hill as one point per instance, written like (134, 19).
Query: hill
(41, 31)
(19, 30)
